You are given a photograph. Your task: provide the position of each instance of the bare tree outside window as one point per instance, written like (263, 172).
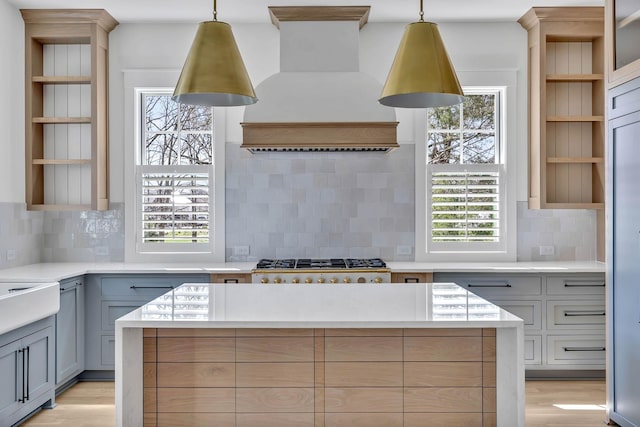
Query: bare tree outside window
(462, 143)
(176, 158)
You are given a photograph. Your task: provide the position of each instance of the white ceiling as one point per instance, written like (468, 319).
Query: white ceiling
(236, 11)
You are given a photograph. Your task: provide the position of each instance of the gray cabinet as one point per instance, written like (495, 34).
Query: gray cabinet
(70, 331)
(564, 317)
(27, 370)
(623, 248)
(111, 296)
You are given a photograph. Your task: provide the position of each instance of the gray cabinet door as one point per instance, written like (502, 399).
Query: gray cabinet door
(39, 375)
(70, 331)
(11, 383)
(625, 269)
(110, 296)
(26, 370)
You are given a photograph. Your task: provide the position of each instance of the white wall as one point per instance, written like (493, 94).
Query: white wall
(11, 104)
(481, 47)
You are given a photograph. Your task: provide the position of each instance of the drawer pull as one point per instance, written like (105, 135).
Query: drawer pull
(411, 280)
(584, 348)
(583, 313)
(572, 285)
(505, 285)
(231, 281)
(150, 287)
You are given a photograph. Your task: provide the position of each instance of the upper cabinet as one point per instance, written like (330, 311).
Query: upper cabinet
(66, 137)
(566, 107)
(623, 32)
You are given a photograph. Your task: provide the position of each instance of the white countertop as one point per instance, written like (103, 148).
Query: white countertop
(500, 267)
(47, 272)
(437, 305)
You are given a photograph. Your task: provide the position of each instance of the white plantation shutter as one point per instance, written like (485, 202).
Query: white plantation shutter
(175, 209)
(465, 206)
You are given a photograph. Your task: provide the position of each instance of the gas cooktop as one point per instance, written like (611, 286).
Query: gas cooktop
(319, 263)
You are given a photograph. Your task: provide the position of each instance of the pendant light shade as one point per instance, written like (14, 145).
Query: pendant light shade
(422, 75)
(214, 74)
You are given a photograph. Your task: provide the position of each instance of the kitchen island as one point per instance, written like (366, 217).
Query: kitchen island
(319, 355)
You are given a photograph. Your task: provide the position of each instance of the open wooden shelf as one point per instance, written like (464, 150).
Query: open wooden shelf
(566, 94)
(58, 120)
(61, 161)
(575, 118)
(66, 81)
(53, 80)
(574, 77)
(575, 160)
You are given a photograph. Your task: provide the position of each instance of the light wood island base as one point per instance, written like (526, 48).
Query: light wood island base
(383, 377)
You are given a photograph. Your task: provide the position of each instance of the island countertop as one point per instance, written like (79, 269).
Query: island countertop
(393, 329)
(412, 305)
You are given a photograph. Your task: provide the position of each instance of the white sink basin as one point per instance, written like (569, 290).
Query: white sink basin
(24, 303)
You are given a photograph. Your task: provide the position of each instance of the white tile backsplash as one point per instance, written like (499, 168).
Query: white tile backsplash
(293, 205)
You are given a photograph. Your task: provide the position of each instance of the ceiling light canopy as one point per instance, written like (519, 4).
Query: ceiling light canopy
(214, 73)
(422, 74)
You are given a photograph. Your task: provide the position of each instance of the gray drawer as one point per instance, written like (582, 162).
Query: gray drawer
(500, 286)
(576, 285)
(532, 349)
(108, 350)
(144, 285)
(576, 350)
(529, 311)
(575, 315)
(112, 310)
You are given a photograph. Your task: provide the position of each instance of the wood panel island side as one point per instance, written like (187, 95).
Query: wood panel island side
(319, 355)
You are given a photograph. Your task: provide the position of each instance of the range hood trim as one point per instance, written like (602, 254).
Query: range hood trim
(319, 136)
(319, 13)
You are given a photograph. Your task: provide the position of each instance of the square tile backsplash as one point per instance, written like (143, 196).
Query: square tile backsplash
(317, 205)
(294, 205)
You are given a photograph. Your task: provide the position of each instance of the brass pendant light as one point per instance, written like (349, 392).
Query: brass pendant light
(214, 73)
(422, 75)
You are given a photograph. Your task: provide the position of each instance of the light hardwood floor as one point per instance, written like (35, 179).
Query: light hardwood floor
(90, 404)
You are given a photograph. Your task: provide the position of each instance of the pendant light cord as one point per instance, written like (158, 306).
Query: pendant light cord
(421, 11)
(215, 10)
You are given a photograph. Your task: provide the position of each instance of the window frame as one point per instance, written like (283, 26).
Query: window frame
(137, 82)
(503, 81)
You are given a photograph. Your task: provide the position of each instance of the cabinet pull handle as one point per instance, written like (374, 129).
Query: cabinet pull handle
(571, 285)
(28, 364)
(584, 348)
(231, 281)
(150, 287)
(411, 280)
(506, 285)
(583, 313)
(23, 368)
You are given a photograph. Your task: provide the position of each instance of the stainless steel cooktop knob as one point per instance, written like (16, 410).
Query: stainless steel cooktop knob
(308, 280)
(295, 280)
(277, 280)
(334, 280)
(321, 280)
(264, 280)
(378, 280)
(346, 280)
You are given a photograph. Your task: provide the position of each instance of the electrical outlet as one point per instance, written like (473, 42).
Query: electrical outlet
(403, 250)
(547, 250)
(11, 254)
(241, 250)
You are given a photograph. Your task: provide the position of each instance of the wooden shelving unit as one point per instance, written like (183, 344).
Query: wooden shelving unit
(566, 98)
(66, 138)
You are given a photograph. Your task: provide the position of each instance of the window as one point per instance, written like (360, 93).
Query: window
(465, 174)
(173, 180)
(174, 176)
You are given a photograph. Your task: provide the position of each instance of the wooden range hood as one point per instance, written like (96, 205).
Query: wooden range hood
(319, 101)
